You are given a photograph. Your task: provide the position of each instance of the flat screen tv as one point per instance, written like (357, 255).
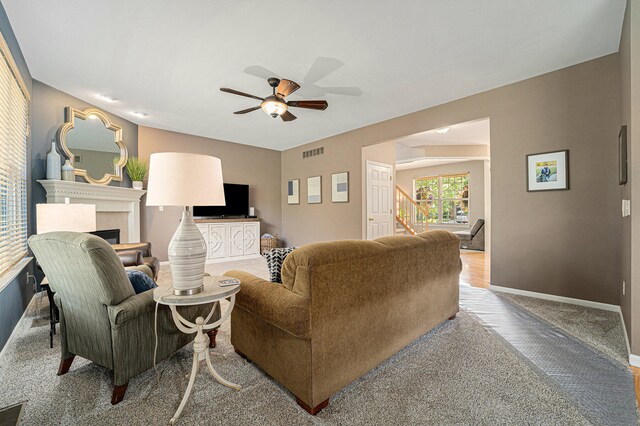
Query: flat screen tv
(237, 199)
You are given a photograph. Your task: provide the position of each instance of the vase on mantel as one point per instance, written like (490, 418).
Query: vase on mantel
(54, 166)
(136, 184)
(67, 171)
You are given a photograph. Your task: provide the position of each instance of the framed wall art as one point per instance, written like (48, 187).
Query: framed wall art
(314, 190)
(622, 156)
(548, 171)
(340, 187)
(293, 191)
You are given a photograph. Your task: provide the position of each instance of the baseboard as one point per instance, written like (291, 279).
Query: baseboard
(634, 360)
(626, 337)
(554, 298)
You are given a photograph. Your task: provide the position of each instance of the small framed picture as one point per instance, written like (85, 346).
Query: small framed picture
(622, 156)
(293, 191)
(548, 171)
(314, 190)
(340, 187)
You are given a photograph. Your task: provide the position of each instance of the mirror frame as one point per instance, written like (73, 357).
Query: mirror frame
(70, 115)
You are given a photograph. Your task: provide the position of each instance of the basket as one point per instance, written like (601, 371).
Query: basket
(267, 244)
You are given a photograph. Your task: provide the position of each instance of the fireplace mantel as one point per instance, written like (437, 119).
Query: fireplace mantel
(106, 198)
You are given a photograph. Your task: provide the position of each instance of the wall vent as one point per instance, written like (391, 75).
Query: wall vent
(313, 152)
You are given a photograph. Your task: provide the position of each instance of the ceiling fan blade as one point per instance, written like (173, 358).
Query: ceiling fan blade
(319, 105)
(321, 68)
(286, 87)
(260, 71)
(287, 116)
(236, 92)
(244, 111)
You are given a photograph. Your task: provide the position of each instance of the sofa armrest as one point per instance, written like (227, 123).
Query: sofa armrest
(274, 304)
(144, 248)
(130, 257)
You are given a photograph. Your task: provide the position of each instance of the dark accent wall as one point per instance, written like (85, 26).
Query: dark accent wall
(15, 297)
(565, 243)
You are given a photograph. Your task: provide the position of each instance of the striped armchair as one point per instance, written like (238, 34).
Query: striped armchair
(101, 317)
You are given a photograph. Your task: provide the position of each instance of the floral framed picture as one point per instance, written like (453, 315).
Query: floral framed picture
(548, 171)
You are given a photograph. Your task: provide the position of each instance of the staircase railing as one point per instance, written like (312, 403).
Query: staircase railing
(412, 216)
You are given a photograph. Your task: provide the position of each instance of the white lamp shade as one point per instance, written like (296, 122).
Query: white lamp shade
(182, 179)
(65, 217)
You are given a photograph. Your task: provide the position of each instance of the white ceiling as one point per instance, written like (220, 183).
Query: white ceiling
(168, 58)
(468, 133)
(428, 162)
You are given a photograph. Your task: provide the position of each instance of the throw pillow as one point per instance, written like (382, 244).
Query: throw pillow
(275, 258)
(141, 281)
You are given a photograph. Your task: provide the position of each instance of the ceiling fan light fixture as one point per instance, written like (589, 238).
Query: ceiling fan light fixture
(273, 106)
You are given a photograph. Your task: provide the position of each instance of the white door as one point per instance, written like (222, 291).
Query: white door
(379, 200)
(236, 239)
(251, 238)
(216, 241)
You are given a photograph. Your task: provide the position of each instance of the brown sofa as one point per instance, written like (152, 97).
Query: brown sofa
(344, 307)
(130, 259)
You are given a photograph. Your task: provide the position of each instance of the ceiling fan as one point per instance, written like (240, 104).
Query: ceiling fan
(275, 105)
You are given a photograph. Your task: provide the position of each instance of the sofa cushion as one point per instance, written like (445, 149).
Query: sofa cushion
(275, 258)
(140, 281)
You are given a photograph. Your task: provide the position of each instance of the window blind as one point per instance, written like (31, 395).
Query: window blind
(14, 120)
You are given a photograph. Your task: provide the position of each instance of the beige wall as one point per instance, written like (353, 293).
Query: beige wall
(564, 242)
(404, 179)
(257, 167)
(630, 116)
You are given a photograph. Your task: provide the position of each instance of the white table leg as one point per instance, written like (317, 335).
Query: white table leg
(200, 351)
(192, 379)
(218, 377)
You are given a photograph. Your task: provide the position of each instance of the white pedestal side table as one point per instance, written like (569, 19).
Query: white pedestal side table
(213, 293)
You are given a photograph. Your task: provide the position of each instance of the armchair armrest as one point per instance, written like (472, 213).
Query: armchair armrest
(130, 257)
(274, 304)
(131, 308)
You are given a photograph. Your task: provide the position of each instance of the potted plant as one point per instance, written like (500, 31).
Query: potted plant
(137, 170)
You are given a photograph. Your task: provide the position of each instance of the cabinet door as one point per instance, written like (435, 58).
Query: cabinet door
(204, 230)
(251, 238)
(216, 242)
(236, 239)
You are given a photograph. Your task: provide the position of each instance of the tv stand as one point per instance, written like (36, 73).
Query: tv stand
(230, 239)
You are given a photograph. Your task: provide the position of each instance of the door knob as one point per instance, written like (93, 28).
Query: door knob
(371, 219)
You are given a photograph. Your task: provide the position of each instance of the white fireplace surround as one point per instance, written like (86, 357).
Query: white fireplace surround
(107, 199)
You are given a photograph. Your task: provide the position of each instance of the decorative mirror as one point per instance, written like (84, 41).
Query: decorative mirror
(93, 144)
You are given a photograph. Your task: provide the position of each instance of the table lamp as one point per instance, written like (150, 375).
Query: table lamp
(185, 180)
(65, 217)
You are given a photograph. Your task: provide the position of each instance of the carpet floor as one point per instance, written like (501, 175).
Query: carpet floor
(460, 373)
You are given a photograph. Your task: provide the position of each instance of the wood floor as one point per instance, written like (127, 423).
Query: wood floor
(475, 268)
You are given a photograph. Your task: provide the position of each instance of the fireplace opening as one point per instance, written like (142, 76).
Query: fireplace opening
(112, 236)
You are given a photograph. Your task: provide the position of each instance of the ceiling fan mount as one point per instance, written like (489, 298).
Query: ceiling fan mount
(275, 105)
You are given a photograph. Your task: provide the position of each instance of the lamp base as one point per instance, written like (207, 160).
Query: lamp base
(188, 291)
(187, 256)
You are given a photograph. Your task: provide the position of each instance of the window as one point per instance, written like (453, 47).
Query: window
(445, 198)
(14, 101)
